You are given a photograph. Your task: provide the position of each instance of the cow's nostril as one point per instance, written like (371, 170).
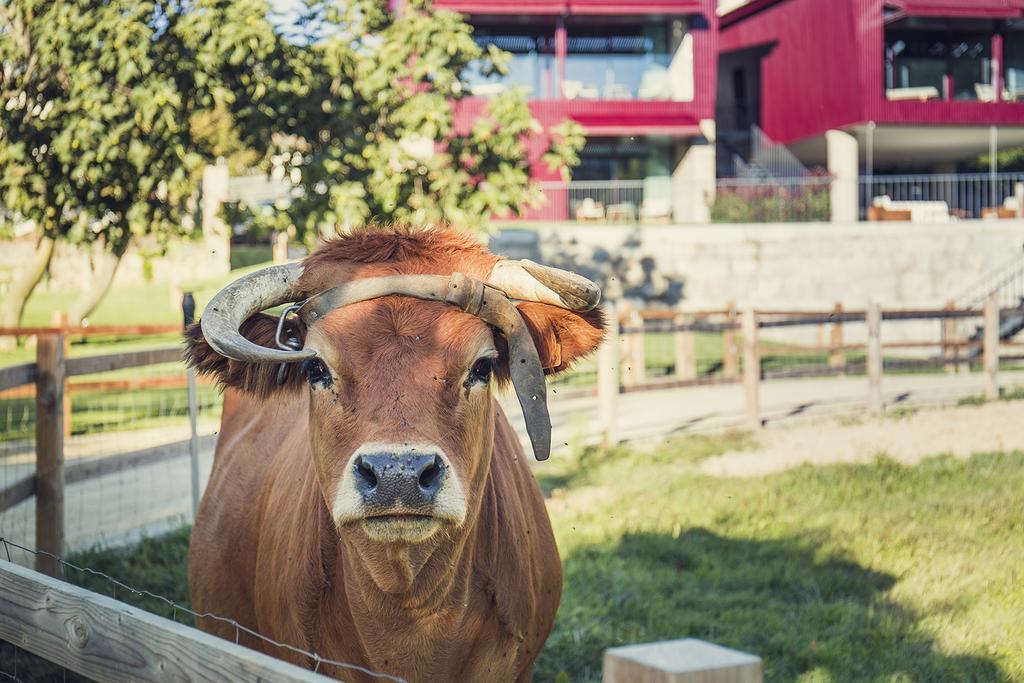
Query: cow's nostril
(431, 476)
(365, 474)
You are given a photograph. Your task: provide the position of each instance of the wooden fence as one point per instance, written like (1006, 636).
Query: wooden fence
(48, 378)
(621, 367)
(108, 640)
(621, 362)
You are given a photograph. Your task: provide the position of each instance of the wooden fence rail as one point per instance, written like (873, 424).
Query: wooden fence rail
(107, 640)
(50, 374)
(740, 333)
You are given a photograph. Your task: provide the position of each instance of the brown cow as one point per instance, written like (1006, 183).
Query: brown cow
(372, 504)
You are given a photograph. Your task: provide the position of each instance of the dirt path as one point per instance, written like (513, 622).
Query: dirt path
(959, 431)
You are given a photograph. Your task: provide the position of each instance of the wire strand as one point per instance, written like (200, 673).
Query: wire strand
(138, 592)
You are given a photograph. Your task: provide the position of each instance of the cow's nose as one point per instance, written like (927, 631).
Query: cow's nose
(408, 480)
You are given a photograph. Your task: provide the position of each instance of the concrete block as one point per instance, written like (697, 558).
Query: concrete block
(680, 661)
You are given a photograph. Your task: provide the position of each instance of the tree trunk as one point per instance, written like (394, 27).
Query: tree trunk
(25, 280)
(91, 296)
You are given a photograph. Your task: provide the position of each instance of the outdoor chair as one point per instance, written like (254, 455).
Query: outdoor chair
(589, 211)
(623, 212)
(656, 211)
(577, 90)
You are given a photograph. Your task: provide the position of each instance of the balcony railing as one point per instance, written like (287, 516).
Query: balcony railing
(925, 198)
(943, 196)
(623, 202)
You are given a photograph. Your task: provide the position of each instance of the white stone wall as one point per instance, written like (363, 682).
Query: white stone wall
(811, 266)
(814, 265)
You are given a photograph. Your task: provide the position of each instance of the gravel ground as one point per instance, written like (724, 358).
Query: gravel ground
(906, 438)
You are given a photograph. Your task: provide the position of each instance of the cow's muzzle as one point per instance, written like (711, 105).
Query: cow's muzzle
(399, 491)
(408, 481)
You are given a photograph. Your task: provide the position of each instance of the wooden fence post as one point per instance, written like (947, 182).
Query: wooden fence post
(638, 349)
(730, 358)
(608, 377)
(751, 370)
(686, 350)
(950, 351)
(836, 353)
(60, 319)
(633, 356)
(874, 321)
(991, 347)
(50, 451)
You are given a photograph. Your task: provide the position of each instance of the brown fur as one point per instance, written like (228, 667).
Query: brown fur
(474, 601)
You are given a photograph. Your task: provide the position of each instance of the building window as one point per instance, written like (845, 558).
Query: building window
(617, 61)
(531, 68)
(939, 59)
(1013, 60)
(628, 158)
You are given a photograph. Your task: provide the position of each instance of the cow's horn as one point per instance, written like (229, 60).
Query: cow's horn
(244, 297)
(531, 281)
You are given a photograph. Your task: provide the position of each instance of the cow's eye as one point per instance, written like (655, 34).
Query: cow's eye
(481, 370)
(315, 371)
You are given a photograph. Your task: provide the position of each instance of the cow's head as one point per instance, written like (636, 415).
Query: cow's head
(398, 340)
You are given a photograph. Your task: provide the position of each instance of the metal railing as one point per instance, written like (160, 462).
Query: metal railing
(922, 198)
(602, 201)
(941, 196)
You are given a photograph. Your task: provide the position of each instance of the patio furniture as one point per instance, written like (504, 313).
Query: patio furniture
(623, 212)
(987, 93)
(1009, 209)
(915, 211)
(921, 93)
(589, 211)
(656, 211)
(878, 214)
(655, 84)
(577, 90)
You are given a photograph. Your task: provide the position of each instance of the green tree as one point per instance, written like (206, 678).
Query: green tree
(366, 122)
(98, 107)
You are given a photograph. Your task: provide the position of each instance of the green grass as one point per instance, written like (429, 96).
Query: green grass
(876, 572)
(843, 573)
(112, 411)
(146, 304)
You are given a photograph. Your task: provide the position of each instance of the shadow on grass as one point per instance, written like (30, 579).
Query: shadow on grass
(808, 617)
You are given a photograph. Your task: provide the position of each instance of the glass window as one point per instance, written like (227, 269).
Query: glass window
(1013, 59)
(531, 68)
(629, 158)
(938, 65)
(618, 62)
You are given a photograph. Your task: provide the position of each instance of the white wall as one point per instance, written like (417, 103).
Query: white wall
(814, 265)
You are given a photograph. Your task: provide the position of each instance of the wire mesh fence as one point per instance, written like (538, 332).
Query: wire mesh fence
(125, 447)
(158, 592)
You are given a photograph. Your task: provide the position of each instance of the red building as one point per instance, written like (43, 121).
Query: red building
(639, 76)
(878, 86)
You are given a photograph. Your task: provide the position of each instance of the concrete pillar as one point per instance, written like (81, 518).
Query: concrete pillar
(216, 233)
(843, 160)
(693, 179)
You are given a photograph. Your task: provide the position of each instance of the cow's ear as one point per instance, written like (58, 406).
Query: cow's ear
(258, 379)
(562, 337)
